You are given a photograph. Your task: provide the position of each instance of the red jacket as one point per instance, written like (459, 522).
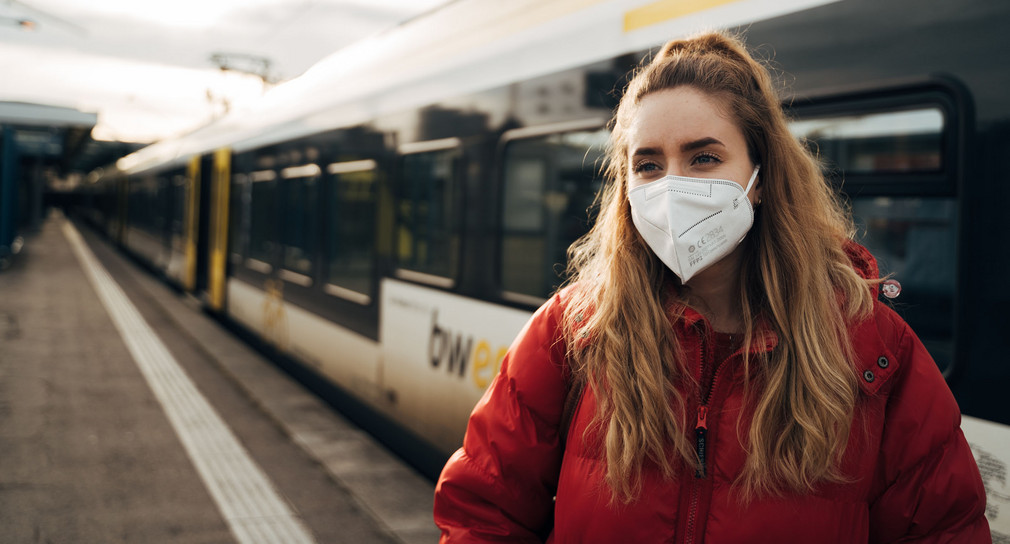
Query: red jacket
(913, 477)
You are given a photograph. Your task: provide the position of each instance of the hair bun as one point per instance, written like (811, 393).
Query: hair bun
(716, 43)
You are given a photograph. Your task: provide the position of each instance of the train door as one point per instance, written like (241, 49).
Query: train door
(216, 250)
(192, 224)
(207, 226)
(205, 176)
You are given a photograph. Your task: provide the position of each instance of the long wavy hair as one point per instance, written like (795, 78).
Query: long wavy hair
(795, 281)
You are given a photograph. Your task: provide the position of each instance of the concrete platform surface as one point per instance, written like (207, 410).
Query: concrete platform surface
(89, 452)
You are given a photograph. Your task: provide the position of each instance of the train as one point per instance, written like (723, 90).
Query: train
(387, 222)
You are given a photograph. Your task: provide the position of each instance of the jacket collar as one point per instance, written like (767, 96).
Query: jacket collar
(875, 362)
(869, 346)
(863, 262)
(687, 320)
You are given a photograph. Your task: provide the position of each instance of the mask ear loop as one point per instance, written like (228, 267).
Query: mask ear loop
(753, 177)
(750, 183)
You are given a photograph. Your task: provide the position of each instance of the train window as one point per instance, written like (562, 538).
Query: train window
(879, 142)
(178, 199)
(351, 229)
(237, 216)
(143, 209)
(299, 222)
(162, 221)
(550, 182)
(262, 237)
(896, 153)
(427, 212)
(914, 240)
(136, 204)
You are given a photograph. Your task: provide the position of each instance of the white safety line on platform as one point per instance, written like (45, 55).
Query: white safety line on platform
(246, 497)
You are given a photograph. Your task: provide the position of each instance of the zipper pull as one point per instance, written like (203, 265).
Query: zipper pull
(699, 432)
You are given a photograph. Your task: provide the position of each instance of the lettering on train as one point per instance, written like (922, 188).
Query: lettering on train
(460, 354)
(445, 348)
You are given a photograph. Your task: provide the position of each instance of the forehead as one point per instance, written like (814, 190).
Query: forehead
(680, 114)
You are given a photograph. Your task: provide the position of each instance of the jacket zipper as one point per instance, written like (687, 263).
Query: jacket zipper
(704, 395)
(700, 430)
(700, 434)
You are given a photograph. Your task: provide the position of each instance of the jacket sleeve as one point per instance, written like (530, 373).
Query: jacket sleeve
(932, 489)
(499, 486)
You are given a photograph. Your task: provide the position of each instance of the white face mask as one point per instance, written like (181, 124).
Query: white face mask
(692, 223)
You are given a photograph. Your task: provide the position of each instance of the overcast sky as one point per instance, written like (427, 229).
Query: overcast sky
(145, 65)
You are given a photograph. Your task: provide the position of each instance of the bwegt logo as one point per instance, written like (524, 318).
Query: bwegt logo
(446, 349)
(456, 352)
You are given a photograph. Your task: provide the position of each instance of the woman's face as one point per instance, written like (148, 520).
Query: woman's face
(685, 132)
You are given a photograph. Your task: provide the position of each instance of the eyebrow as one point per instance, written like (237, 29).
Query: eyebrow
(700, 143)
(646, 152)
(685, 147)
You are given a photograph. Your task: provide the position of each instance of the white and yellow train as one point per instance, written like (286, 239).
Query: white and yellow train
(389, 220)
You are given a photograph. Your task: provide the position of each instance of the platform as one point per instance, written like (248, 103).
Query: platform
(156, 425)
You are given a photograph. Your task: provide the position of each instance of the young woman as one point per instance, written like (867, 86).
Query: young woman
(719, 370)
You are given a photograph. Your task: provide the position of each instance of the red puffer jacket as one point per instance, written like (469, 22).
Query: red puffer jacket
(913, 478)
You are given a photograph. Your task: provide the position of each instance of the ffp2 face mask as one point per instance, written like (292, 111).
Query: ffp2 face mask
(692, 223)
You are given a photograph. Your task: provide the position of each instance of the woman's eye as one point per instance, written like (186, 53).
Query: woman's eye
(707, 158)
(644, 167)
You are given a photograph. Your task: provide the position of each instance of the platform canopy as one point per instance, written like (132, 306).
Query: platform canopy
(60, 134)
(26, 114)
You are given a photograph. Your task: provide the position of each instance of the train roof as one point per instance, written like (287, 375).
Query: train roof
(463, 47)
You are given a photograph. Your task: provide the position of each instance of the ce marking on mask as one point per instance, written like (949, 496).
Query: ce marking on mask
(709, 242)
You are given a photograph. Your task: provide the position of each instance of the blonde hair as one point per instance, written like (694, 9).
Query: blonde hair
(795, 279)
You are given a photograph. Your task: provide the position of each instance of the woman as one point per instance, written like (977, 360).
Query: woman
(719, 370)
